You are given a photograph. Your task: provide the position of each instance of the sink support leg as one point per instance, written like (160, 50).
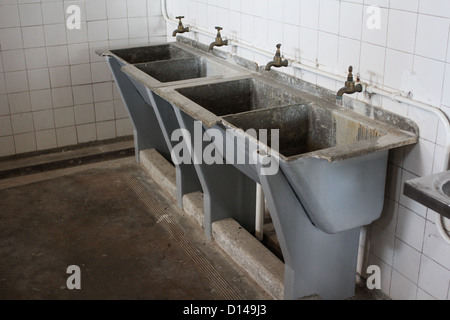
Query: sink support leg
(147, 131)
(315, 262)
(186, 176)
(228, 193)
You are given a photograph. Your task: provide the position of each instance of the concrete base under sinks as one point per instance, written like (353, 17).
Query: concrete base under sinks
(431, 191)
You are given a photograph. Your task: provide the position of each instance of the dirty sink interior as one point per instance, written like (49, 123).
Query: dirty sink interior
(304, 128)
(232, 97)
(152, 53)
(183, 69)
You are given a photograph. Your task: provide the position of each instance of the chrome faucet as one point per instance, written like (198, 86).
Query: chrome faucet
(219, 41)
(181, 28)
(350, 85)
(277, 60)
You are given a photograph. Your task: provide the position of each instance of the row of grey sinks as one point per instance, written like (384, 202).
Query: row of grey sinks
(215, 91)
(252, 103)
(332, 160)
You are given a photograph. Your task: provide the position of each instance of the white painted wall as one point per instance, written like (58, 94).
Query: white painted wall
(409, 53)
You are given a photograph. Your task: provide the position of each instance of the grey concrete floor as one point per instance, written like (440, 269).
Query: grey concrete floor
(127, 236)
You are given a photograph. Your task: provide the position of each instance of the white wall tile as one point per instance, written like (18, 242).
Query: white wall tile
(329, 16)
(11, 38)
(429, 80)
(402, 30)
(87, 133)
(97, 30)
(116, 9)
(106, 130)
(292, 12)
(124, 127)
(406, 260)
(433, 278)
(35, 58)
(83, 94)
(309, 14)
(410, 228)
(137, 8)
(398, 70)
(46, 139)
(66, 136)
(41, 99)
(81, 74)
(22, 123)
(78, 35)
(38, 79)
(59, 77)
(78, 53)
(19, 102)
(53, 13)
(84, 114)
(446, 93)
(434, 246)
(57, 56)
(13, 60)
(30, 14)
(435, 8)
(16, 81)
(64, 117)
(408, 5)
(350, 23)
(62, 97)
(118, 29)
(382, 244)
(5, 126)
(25, 142)
(33, 37)
(103, 92)
(138, 27)
(104, 111)
(375, 35)
(372, 63)
(55, 34)
(432, 37)
(8, 147)
(43, 120)
(96, 10)
(9, 16)
(402, 288)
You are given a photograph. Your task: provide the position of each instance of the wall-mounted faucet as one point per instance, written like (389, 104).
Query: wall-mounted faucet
(277, 60)
(181, 28)
(219, 41)
(350, 85)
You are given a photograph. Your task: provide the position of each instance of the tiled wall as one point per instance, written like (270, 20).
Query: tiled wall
(410, 52)
(54, 90)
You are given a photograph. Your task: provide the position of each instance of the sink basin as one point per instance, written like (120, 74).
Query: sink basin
(304, 128)
(184, 69)
(309, 135)
(446, 188)
(152, 53)
(231, 97)
(432, 191)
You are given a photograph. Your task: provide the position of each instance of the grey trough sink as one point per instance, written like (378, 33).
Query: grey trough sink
(433, 191)
(238, 96)
(184, 69)
(151, 53)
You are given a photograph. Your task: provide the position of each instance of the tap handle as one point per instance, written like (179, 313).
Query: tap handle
(350, 74)
(219, 28)
(278, 53)
(180, 17)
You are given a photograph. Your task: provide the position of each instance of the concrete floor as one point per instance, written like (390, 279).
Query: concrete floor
(126, 235)
(95, 208)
